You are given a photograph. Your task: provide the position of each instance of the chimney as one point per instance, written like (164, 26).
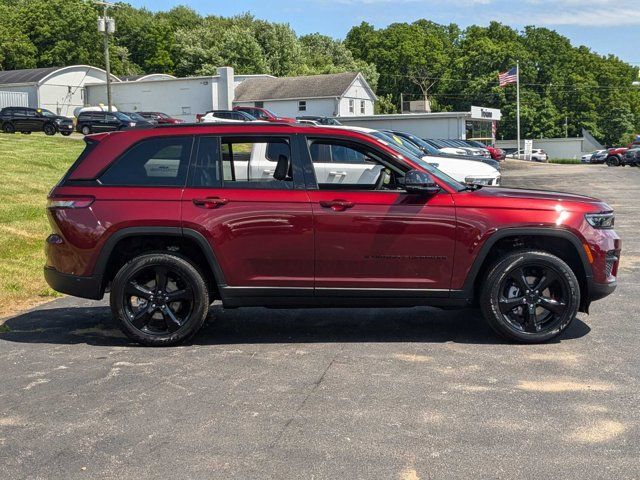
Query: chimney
(226, 88)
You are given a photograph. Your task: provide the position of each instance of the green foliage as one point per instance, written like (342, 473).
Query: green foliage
(566, 161)
(458, 68)
(454, 68)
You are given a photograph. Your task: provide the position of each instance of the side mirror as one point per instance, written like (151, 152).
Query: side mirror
(417, 181)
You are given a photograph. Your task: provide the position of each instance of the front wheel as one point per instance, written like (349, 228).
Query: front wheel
(65, 134)
(86, 130)
(49, 129)
(530, 296)
(613, 161)
(159, 299)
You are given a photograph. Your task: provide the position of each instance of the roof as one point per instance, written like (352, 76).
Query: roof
(29, 75)
(147, 76)
(309, 86)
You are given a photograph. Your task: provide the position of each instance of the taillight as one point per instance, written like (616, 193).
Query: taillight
(57, 203)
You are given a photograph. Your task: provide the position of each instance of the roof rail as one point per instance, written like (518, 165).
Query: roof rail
(228, 124)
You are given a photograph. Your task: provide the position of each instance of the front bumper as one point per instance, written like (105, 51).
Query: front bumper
(600, 290)
(65, 127)
(74, 285)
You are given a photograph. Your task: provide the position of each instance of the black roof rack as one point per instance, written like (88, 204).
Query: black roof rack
(228, 124)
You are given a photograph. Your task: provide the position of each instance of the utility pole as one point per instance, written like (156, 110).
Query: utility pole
(106, 25)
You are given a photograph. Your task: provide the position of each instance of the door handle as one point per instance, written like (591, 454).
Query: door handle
(338, 174)
(336, 205)
(269, 172)
(210, 202)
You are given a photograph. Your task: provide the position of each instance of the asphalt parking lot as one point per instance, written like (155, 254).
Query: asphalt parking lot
(386, 393)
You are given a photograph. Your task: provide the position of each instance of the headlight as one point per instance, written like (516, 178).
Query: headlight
(600, 220)
(132, 124)
(478, 181)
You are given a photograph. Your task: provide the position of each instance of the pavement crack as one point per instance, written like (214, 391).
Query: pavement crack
(315, 386)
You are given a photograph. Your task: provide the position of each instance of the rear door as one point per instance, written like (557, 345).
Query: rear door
(260, 227)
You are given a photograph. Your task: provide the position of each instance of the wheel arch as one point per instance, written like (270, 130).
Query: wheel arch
(128, 242)
(562, 243)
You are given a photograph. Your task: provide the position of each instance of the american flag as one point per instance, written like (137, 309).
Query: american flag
(508, 76)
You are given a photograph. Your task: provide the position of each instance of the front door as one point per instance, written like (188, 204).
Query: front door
(372, 237)
(259, 225)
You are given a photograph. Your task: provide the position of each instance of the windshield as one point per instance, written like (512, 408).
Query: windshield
(136, 116)
(417, 159)
(422, 144)
(121, 116)
(47, 113)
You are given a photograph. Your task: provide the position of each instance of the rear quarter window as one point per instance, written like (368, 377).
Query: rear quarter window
(160, 161)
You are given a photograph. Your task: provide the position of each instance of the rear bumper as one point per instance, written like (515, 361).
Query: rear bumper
(75, 285)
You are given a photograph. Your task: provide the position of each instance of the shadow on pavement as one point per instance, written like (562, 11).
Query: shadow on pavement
(95, 326)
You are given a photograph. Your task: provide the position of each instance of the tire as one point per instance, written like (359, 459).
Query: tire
(65, 134)
(49, 129)
(26, 133)
(86, 130)
(613, 161)
(8, 127)
(523, 317)
(145, 313)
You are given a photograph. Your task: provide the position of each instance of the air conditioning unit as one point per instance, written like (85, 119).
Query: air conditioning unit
(420, 106)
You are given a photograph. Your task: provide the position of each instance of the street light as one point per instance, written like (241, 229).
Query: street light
(106, 25)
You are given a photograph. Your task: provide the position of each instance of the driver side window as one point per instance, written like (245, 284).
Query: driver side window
(344, 166)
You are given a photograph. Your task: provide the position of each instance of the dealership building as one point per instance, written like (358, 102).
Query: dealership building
(479, 123)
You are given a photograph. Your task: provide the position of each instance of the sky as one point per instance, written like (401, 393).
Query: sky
(605, 26)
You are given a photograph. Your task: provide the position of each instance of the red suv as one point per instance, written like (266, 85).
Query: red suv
(171, 218)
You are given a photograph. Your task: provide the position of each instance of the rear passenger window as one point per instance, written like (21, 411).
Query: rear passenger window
(152, 162)
(260, 163)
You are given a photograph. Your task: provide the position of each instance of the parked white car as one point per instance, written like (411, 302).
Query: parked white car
(537, 155)
(464, 171)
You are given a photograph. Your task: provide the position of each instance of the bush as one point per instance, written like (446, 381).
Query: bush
(566, 161)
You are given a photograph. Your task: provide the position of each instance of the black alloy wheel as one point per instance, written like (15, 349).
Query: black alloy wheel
(530, 296)
(49, 129)
(159, 299)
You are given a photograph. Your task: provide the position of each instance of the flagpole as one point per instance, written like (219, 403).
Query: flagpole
(518, 100)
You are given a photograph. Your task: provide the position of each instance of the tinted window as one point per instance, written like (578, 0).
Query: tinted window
(152, 162)
(206, 170)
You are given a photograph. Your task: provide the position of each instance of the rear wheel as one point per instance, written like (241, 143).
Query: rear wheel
(86, 130)
(8, 127)
(49, 129)
(530, 296)
(159, 299)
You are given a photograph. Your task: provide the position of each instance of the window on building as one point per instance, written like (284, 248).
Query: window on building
(362, 107)
(351, 105)
(302, 105)
(258, 104)
(152, 162)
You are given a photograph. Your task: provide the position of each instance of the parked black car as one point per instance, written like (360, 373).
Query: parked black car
(94, 122)
(632, 157)
(27, 120)
(599, 157)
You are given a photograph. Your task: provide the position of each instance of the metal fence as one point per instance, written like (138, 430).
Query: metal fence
(14, 99)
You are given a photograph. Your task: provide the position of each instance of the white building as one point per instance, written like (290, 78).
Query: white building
(332, 95)
(479, 123)
(59, 89)
(179, 97)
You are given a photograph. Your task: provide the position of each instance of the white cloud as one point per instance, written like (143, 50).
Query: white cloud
(588, 13)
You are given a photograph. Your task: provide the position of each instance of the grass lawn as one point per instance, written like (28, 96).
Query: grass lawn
(29, 166)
